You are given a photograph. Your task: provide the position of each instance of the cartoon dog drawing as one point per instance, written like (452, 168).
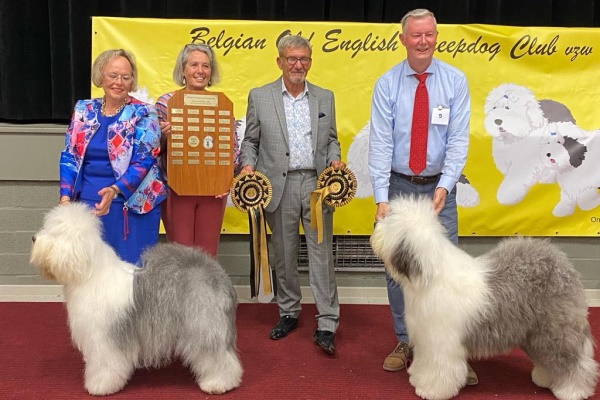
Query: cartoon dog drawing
(518, 122)
(574, 155)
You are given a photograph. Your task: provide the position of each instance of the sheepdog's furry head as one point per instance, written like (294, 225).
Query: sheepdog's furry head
(523, 293)
(64, 248)
(410, 228)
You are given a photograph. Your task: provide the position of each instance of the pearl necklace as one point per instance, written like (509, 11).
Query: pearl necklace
(104, 114)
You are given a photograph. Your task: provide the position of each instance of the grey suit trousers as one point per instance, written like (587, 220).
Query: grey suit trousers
(285, 223)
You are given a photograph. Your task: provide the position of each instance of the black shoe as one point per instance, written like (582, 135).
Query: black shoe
(325, 340)
(285, 325)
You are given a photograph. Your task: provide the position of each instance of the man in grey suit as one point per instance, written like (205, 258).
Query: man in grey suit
(291, 137)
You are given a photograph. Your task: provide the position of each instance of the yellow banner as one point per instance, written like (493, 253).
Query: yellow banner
(535, 143)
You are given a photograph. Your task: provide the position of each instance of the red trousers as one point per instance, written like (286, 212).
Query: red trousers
(194, 220)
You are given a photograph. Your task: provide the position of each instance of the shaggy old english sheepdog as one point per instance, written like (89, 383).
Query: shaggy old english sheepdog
(522, 293)
(181, 303)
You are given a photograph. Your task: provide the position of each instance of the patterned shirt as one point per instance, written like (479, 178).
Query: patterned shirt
(297, 116)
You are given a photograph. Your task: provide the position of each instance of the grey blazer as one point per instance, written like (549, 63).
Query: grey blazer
(265, 145)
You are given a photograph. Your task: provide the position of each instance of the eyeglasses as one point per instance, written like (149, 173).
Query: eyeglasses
(114, 77)
(294, 60)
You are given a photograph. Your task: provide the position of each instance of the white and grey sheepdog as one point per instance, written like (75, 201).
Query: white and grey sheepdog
(522, 293)
(180, 304)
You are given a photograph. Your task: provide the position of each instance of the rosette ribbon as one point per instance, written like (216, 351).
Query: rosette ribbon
(251, 193)
(335, 188)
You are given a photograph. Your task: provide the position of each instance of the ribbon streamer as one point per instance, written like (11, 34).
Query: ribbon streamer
(335, 188)
(251, 193)
(316, 210)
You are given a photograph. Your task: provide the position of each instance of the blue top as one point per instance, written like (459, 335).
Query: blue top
(391, 121)
(97, 171)
(133, 145)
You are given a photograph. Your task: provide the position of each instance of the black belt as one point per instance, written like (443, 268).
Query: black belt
(418, 180)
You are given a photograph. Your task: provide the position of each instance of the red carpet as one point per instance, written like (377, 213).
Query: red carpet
(38, 361)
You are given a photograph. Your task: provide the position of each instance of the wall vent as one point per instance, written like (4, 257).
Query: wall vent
(350, 253)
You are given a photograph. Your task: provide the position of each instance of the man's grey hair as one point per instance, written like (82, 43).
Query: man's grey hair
(417, 13)
(293, 41)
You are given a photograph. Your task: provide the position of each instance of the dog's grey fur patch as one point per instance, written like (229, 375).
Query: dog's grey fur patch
(402, 259)
(534, 288)
(181, 296)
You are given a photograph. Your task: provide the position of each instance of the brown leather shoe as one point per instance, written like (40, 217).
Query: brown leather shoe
(471, 376)
(399, 358)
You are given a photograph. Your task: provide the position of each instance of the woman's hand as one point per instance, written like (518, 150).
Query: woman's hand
(165, 127)
(64, 200)
(220, 196)
(108, 194)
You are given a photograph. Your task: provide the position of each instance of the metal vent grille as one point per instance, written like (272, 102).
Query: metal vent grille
(350, 253)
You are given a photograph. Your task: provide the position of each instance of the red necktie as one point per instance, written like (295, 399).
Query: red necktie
(420, 124)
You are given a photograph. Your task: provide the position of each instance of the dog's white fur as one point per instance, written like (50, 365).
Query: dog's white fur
(575, 156)
(180, 304)
(516, 122)
(522, 293)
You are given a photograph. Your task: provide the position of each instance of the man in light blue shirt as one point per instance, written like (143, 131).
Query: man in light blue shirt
(390, 142)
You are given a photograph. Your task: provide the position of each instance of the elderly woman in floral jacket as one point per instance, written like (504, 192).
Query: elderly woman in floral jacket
(110, 156)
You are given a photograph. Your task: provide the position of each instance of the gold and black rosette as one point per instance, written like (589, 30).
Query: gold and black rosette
(335, 188)
(251, 193)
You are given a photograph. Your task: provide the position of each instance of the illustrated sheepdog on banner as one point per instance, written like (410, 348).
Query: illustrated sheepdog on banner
(523, 293)
(180, 303)
(540, 142)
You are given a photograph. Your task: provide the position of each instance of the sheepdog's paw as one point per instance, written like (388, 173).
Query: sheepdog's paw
(103, 384)
(434, 392)
(541, 377)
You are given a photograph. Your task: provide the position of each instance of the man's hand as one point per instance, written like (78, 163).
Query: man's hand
(337, 164)
(439, 199)
(383, 209)
(247, 169)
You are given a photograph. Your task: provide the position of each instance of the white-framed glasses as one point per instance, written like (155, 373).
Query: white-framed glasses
(294, 60)
(114, 77)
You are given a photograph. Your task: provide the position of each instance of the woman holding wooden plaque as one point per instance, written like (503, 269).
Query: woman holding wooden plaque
(188, 219)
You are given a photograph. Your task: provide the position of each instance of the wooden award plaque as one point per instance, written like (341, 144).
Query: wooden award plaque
(200, 144)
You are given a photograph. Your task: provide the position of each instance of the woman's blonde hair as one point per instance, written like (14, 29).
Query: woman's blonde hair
(184, 55)
(107, 55)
